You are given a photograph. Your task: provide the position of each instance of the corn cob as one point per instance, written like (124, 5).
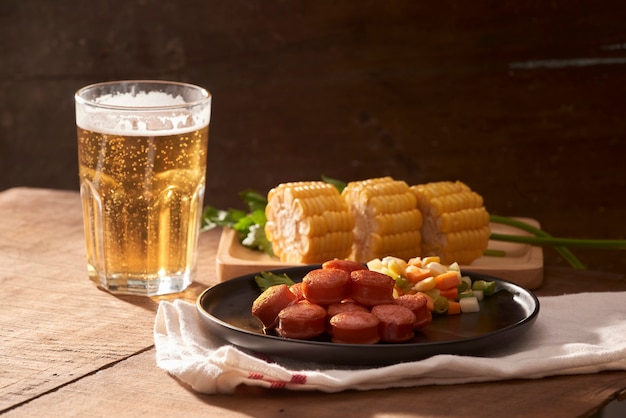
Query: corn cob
(308, 222)
(455, 223)
(386, 219)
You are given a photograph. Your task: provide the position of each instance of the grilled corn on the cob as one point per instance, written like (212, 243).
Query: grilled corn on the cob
(308, 222)
(455, 223)
(387, 221)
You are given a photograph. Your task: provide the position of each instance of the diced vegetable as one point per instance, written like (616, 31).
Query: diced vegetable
(469, 305)
(375, 264)
(425, 285)
(416, 274)
(403, 284)
(430, 259)
(451, 294)
(446, 289)
(447, 280)
(466, 283)
(454, 308)
(395, 264)
(441, 304)
(454, 267)
(488, 287)
(436, 268)
(433, 293)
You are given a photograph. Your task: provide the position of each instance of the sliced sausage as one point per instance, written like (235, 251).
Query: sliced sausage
(371, 288)
(418, 304)
(302, 320)
(296, 289)
(269, 303)
(347, 265)
(345, 306)
(396, 322)
(355, 328)
(326, 286)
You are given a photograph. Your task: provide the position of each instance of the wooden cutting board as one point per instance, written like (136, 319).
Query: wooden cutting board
(522, 264)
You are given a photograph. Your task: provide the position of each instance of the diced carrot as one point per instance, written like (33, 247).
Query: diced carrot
(416, 274)
(447, 280)
(452, 293)
(454, 308)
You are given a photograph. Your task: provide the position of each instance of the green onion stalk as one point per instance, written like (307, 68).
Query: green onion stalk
(542, 238)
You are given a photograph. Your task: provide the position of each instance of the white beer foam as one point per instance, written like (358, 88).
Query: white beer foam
(154, 123)
(141, 99)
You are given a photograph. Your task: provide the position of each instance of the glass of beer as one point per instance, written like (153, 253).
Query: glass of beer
(142, 148)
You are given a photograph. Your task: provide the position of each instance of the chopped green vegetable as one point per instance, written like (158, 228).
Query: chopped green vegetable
(466, 284)
(267, 279)
(494, 253)
(607, 244)
(564, 251)
(440, 305)
(403, 283)
(487, 287)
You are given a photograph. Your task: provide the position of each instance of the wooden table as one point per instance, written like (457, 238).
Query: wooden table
(69, 349)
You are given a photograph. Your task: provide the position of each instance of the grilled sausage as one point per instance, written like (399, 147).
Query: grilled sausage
(337, 308)
(326, 286)
(296, 289)
(269, 303)
(418, 304)
(355, 328)
(371, 288)
(396, 322)
(347, 265)
(302, 320)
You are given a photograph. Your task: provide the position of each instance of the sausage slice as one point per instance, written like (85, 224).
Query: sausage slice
(355, 328)
(302, 320)
(396, 322)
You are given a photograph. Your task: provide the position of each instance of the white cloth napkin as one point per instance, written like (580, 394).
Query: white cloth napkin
(573, 334)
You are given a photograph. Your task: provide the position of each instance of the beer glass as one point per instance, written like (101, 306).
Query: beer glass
(142, 164)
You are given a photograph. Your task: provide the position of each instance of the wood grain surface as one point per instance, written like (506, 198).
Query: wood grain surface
(69, 349)
(56, 326)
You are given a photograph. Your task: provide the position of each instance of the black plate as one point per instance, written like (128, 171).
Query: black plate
(503, 317)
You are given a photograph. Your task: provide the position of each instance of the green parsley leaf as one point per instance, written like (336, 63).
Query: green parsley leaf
(267, 279)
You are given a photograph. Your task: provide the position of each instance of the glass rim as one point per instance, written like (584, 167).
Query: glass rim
(206, 95)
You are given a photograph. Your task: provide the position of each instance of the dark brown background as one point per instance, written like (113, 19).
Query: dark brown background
(523, 101)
